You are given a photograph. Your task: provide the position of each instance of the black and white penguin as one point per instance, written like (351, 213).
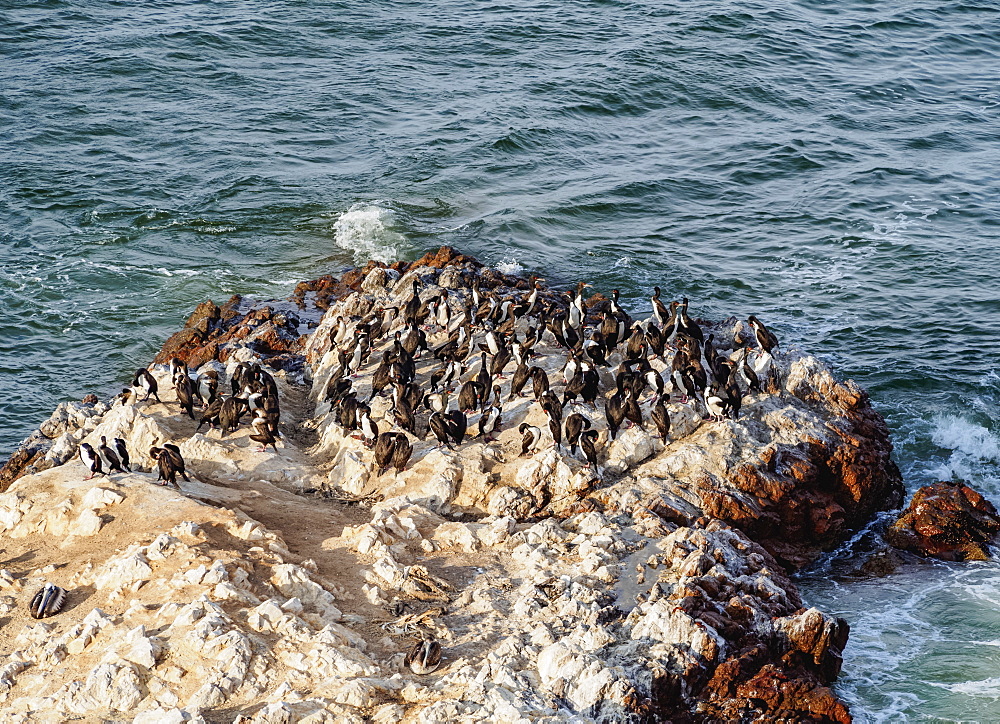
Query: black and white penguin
(143, 380)
(122, 454)
(438, 425)
(369, 428)
(261, 432)
(530, 435)
(91, 460)
(588, 443)
(659, 309)
(114, 463)
(489, 421)
(765, 337)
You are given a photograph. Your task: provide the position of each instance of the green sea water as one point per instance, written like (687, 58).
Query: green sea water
(829, 167)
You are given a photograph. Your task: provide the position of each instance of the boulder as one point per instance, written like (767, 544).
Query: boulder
(946, 520)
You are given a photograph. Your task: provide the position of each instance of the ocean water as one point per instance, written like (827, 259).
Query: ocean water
(833, 168)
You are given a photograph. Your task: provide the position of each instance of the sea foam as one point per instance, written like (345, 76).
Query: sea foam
(974, 447)
(366, 230)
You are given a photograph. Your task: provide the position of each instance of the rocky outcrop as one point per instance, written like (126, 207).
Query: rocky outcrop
(287, 585)
(946, 520)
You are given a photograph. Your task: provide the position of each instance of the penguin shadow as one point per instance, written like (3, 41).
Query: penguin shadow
(23, 558)
(77, 596)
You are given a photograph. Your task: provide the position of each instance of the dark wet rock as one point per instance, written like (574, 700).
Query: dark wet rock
(947, 520)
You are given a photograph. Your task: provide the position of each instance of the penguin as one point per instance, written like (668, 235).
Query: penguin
(691, 329)
(659, 310)
(614, 411)
(208, 386)
(424, 657)
(489, 421)
(211, 413)
(457, 425)
(575, 424)
(123, 454)
(185, 392)
(114, 463)
(230, 412)
(91, 460)
(633, 413)
(369, 428)
(539, 382)
(518, 380)
(143, 380)
(530, 435)
(438, 424)
(167, 468)
(401, 452)
(385, 446)
(661, 418)
(715, 404)
(765, 337)
(262, 432)
(555, 425)
(588, 443)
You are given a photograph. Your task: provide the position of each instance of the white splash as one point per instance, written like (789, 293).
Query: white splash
(366, 231)
(960, 435)
(509, 265)
(988, 688)
(621, 263)
(971, 446)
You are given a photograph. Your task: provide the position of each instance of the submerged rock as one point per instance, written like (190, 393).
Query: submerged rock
(947, 520)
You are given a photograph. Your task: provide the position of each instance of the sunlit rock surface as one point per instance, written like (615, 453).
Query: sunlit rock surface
(288, 585)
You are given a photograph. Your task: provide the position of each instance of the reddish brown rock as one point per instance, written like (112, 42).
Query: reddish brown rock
(445, 256)
(180, 345)
(950, 521)
(204, 316)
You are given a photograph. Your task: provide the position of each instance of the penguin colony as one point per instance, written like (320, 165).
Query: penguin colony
(484, 346)
(253, 393)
